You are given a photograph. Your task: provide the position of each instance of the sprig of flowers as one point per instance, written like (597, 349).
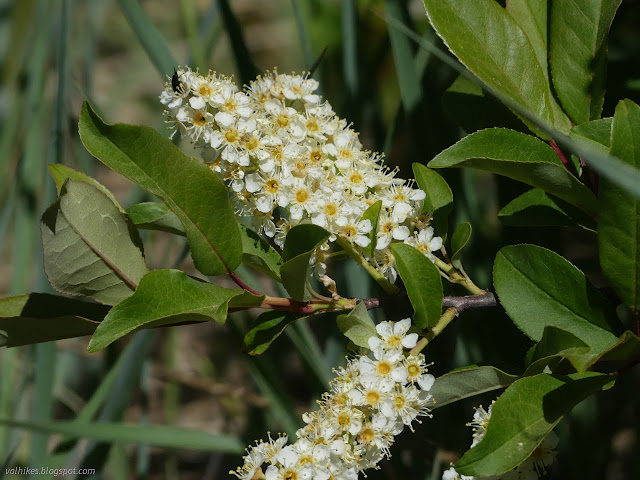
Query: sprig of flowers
(289, 159)
(531, 469)
(372, 399)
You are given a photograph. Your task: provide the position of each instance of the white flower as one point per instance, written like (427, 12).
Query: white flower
(393, 336)
(354, 231)
(425, 242)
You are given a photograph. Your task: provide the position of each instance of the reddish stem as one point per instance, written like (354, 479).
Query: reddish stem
(565, 161)
(243, 285)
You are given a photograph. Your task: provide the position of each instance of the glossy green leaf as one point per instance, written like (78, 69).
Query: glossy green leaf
(155, 216)
(475, 110)
(188, 187)
(578, 54)
(518, 156)
(619, 213)
(153, 435)
(164, 297)
(623, 354)
(89, 246)
(423, 283)
(468, 382)
(539, 288)
(596, 133)
(373, 215)
(267, 327)
(459, 239)
(41, 317)
(258, 254)
(491, 44)
(357, 326)
(537, 208)
(60, 173)
(531, 16)
(439, 198)
(300, 244)
(438, 193)
(522, 416)
(555, 347)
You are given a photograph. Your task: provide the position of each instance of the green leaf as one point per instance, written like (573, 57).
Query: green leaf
(491, 44)
(155, 216)
(188, 187)
(258, 254)
(267, 327)
(89, 247)
(150, 37)
(41, 317)
(578, 54)
(539, 288)
(624, 353)
(597, 134)
(554, 347)
(531, 16)
(153, 435)
(468, 382)
(521, 157)
(373, 215)
(60, 173)
(357, 326)
(537, 208)
(523, 415)
(439, 198)
(299, 245)
(164, 297)
(423, 283)
(619, 213)
(474, 110)
(459, 239)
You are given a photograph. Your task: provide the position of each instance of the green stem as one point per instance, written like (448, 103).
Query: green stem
(446, 318)
(456, 277)
(386, 285)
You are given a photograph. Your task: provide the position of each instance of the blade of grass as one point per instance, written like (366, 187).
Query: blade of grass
(302, 33)
(350, 47)
(247, 70)
(210, 29)
(150, 37)
(153, 435)
(408, 78)
(189, 22)
(305, 342)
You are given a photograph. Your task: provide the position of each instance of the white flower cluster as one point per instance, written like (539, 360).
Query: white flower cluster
(531, 469)
(277, 144)
(370, 402)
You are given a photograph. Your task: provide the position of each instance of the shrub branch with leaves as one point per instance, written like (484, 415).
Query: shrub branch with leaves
(285, 187)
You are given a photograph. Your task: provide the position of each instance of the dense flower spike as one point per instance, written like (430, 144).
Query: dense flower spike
(532, 468)
(280, 147)
(371, 401)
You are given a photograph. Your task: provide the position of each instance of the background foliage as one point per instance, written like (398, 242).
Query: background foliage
(117, 54)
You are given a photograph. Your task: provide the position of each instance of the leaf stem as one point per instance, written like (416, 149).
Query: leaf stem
(446, 318)
(387, 286)
(243, 285)
(456, 277)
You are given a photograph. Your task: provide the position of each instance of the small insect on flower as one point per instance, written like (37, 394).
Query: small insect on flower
(176, 84)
